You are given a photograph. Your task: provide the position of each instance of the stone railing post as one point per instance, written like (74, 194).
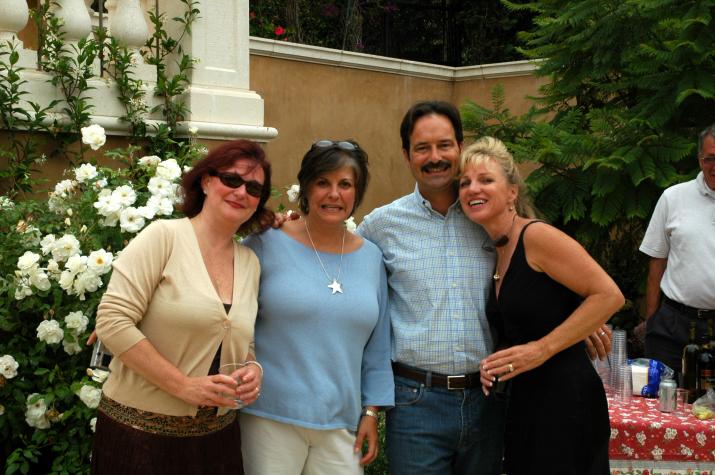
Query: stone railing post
(76, 22)
(13, 18)
(128, 25)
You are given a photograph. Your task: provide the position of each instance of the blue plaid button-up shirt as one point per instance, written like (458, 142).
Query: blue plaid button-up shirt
(439, 275)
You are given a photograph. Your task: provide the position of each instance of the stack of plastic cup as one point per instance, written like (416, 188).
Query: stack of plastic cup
(603, 368)
(619, 365)
(624, 390)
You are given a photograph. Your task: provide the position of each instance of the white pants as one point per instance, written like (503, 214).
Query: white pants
(274, 448)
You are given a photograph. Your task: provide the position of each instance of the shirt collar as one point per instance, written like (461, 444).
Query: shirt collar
(703, 187)
(427, 206)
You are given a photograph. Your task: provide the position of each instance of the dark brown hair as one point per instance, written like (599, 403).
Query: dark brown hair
(224, 156)
(421, 109)
(320, 160)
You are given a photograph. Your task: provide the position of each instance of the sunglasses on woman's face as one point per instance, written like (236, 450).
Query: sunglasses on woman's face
(342, 145)
(234, 180)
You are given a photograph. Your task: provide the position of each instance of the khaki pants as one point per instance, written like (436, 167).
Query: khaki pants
(275, 448)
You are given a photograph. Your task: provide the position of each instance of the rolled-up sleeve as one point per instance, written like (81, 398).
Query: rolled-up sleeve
(136, 273)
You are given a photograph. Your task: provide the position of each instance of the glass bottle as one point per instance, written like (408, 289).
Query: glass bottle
(691, 354)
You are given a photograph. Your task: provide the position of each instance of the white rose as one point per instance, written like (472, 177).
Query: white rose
(64, 188)
(40, 280)
(71, 347)
(86, 282)
(93, 424)
(76, 264)
(168, 169)
(125, 194)
(35, 409)
(65, 247)
(149, 160)
(66, 281)
(50, 332)
(85, 172)
(98, 375)
(77, 322)
(53, 267)
(130, 220)
(47, 244)
(292, 193)
(6, 203)
(27, 261)
(93, 136)
(8, 366)
(100, 261)
(110, 220)
(35, 413)
(159, 186)
(109, 204)
(162, 205)
(148, 212)
(22, 291)
(350, 224)
(90, 396)
(100, 184)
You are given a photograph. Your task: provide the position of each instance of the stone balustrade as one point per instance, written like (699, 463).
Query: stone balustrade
(220, 101)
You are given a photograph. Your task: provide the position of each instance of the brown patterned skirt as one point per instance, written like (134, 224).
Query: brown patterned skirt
(128, 440)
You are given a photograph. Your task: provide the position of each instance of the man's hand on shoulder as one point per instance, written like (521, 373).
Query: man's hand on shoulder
(281, 218)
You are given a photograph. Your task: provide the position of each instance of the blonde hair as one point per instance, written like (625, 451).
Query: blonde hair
(492, 149)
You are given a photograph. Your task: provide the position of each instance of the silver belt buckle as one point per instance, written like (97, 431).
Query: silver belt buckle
(450, 378)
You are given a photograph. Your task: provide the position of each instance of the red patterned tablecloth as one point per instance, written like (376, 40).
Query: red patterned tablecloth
(639, 431)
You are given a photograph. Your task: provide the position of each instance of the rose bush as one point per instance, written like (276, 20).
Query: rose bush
(57, 260)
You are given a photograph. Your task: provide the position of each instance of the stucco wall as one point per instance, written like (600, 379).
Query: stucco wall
(309, 101)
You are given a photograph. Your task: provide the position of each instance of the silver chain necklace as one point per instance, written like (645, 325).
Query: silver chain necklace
(335, 285)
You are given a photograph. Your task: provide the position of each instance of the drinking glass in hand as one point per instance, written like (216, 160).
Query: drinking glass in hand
(231, 370)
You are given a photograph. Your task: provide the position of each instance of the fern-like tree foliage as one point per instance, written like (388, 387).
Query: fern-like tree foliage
(632, 82)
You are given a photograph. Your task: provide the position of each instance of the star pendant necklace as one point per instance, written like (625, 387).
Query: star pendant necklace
(335, 286)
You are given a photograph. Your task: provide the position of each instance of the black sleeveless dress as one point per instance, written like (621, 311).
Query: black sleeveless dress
(557, 419)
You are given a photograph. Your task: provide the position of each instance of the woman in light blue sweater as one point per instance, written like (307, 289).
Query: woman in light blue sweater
(322, 332)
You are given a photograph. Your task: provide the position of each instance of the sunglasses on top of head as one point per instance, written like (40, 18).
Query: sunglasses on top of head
(341, 144)
(234, 180)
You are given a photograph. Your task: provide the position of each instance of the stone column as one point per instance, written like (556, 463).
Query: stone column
(220, 90)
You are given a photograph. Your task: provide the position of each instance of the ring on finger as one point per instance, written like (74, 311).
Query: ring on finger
(602, 333)
(510, 367)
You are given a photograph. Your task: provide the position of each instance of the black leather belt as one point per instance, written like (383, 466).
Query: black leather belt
(691, 312)
(428, 378)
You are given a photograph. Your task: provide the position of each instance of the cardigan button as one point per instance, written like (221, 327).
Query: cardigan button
(226, 324)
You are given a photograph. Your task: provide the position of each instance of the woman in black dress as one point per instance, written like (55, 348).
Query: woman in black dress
(548, 296)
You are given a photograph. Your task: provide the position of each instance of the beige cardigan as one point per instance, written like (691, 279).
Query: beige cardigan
(161, 290)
